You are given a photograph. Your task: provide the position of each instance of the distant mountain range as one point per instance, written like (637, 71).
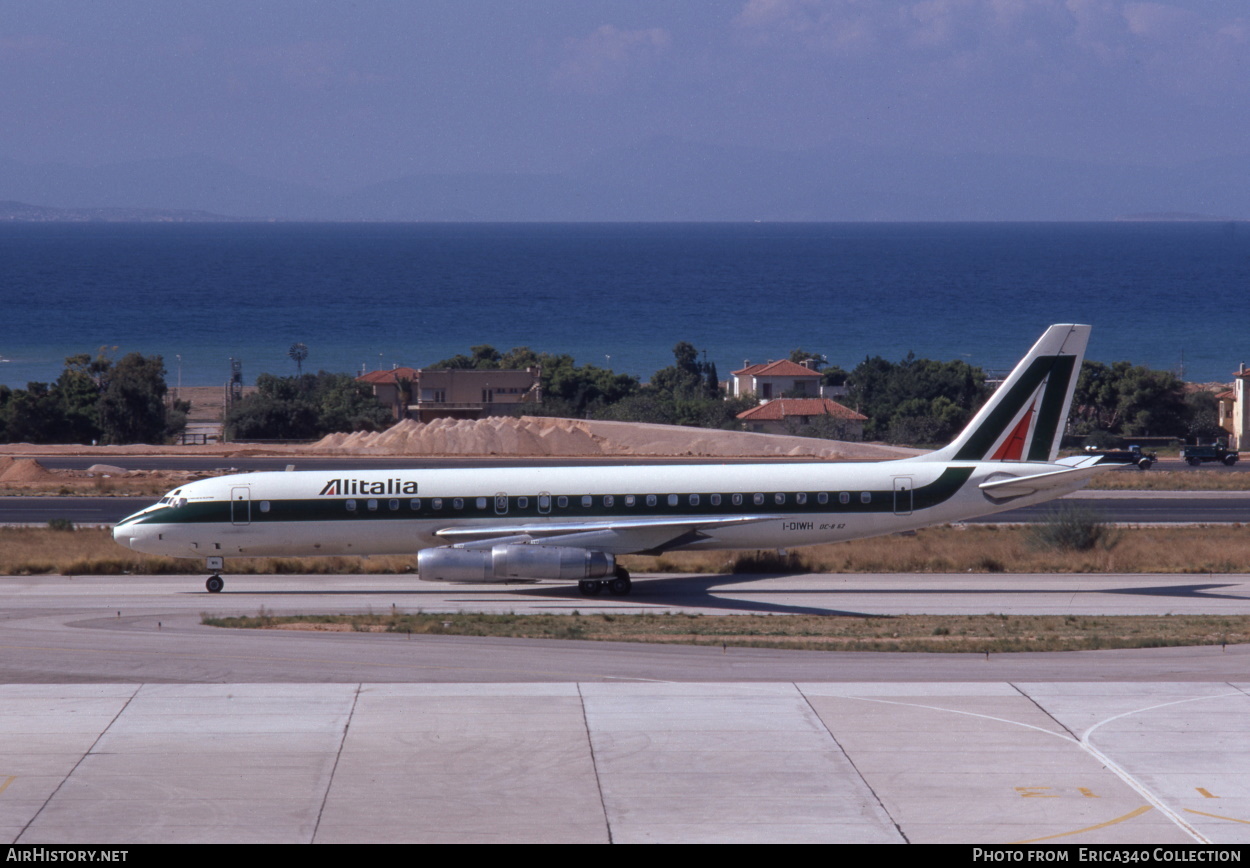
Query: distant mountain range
(661, 180)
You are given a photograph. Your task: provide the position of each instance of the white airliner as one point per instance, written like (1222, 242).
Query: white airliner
(571, 523)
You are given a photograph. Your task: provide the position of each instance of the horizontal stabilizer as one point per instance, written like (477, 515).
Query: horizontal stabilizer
(1003, 487)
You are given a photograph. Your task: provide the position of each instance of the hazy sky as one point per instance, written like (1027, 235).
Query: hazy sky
(346, 93)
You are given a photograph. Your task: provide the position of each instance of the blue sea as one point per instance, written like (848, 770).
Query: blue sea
(1174, 296)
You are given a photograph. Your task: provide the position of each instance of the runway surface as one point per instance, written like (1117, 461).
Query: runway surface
(126, 720)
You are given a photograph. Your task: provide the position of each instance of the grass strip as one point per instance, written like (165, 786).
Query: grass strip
(980, 634)
(1211, 549)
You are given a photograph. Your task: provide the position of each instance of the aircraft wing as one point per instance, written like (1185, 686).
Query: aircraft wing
(640, 536)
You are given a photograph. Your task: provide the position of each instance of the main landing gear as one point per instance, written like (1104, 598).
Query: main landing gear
(619, 586)
(215, 582)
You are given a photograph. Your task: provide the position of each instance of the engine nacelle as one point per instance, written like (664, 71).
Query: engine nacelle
(513, 561)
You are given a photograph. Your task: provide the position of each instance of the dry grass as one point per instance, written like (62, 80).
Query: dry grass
(991, 549)
(26, 551)
(926, 633)
(977, 549)
(1208, 479)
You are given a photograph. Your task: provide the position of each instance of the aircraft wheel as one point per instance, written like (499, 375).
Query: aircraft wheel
(590, 589)
(621, 585)
(215, 584)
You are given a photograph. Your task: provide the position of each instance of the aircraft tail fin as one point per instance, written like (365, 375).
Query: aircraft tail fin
(1024, 419)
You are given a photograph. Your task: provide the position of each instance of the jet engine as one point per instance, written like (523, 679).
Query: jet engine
(513, 561)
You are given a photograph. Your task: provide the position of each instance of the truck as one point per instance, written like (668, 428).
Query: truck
(1217, 451)
(1131, 455)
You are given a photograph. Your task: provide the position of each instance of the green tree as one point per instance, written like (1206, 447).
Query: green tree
(94, 399)
(33, 415)
(815, 361)
(132, 406)
(1130, 401)
(568, 389)
(916, 400)
(305, 408)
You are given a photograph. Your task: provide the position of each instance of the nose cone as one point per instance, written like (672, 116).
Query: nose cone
(121, 535)
(132, 532)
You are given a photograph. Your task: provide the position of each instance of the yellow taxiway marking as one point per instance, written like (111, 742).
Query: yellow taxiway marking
(1143, 809)
(10, 779)
(1206, 794)
(1217, 816)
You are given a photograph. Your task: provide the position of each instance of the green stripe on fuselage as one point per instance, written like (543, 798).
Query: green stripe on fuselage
(335, 508)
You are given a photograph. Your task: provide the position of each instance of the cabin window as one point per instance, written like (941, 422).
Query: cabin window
(608, 500)
(865, 497)
(737, 499)
(757, 499)
(562, 501)
(779, 499)
(651, 500)
(522, 502)
(437, 503)
(844, 497)
(630, 500)
(587, 501)
(672, 500)
(481, 503)
(350, 504)
(822, 498)
(715, 499)
(264, 506)
(372, 504)
(457, 503)
(800, 498)
(414, 504)
(393, 505)
(694, 500)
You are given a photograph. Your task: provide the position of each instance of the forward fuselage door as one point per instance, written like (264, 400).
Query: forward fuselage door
(240, 505)
(902, 495)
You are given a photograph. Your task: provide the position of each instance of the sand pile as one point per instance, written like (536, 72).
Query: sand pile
(23, 470)
(541, 436)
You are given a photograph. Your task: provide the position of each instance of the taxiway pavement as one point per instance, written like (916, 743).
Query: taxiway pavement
(127, 721)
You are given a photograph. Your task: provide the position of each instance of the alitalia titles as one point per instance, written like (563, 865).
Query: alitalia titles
(347, 487)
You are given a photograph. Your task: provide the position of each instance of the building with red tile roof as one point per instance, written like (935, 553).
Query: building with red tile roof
(774, 379)
(789, 415)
